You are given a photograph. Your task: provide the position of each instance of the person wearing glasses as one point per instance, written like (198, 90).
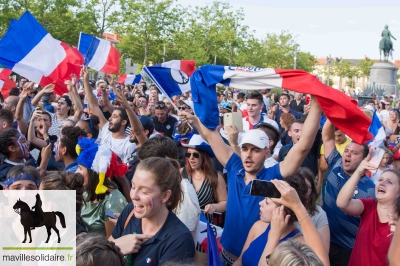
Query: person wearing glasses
(209, 184)
(163, 123)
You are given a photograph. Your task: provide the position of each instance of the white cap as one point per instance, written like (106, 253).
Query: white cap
(187, 102)
(100, 81)
(369, 107)
(255, 137)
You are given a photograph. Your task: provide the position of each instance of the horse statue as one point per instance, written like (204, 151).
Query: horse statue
(30, 220)
(386, 44)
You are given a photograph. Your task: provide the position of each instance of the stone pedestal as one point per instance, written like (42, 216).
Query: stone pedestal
(383, 79)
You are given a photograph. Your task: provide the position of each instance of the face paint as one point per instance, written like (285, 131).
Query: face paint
(56, 149)
(152, 203)
(23, 146)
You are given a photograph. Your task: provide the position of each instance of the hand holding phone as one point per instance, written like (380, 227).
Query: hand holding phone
(264, 188)
(110, 214)
(376, 158)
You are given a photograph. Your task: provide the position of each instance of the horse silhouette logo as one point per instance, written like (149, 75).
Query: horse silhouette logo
(37, 218)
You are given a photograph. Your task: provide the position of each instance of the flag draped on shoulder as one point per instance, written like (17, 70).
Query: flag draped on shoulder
(340, 109)
(99, 54)
(377, 130)
(6, 84)
(172, 77)
(129, 79)
(30, 51)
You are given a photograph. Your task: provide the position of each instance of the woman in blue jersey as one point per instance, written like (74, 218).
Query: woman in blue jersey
(276, 224)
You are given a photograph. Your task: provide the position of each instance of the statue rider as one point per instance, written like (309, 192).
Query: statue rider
(38, 217)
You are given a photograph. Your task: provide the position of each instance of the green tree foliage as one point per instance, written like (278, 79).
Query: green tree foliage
(145, 27)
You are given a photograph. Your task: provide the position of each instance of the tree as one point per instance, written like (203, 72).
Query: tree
(145, 28)
(280, 50)
(341, 68)
(365, 70)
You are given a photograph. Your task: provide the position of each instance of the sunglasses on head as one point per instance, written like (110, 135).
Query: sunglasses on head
(160, 105)
(195, 155)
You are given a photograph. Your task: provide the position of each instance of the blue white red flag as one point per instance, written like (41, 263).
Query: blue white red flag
(340, 109)
(99, 54)
(38, 56)
(377, 130)
(172, 77)
(129, 79)
(213, 254)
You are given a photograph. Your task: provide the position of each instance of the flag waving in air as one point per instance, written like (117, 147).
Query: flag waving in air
(172, 77)
(30, 51)
(99, 54)
(129, 79)
(377, 130)
(5, 83)
(340, 109)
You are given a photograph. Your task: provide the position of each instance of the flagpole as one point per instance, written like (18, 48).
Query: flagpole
(162, 90)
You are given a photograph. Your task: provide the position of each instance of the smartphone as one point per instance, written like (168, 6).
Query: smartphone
(264, 188)
(376, 158)
(110, 214)
(38, 110)
(234, 119)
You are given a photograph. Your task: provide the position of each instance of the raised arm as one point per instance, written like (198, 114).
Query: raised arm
(91, 99)
(328, 138)
(222, 151)
(298, 153)
(104, 96)
(41, 143)
(19, 111)
(47, 89)
(290, 199)
(345, 199)
(136, 125)
(73, 94)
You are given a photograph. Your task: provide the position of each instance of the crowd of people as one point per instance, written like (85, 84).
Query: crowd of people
(164, 170)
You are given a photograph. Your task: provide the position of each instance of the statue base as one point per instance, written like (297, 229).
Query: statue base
(382, 80)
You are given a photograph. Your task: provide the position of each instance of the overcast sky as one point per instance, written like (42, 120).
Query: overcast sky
(347, 28)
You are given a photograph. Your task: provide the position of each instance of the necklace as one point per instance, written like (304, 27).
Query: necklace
(198, 178)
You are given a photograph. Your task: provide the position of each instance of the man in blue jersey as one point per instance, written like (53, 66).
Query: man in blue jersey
(242, 210)
(343, 227)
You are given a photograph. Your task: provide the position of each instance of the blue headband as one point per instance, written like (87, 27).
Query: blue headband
(21, 176)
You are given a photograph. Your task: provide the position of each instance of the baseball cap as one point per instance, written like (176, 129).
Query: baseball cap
(265, 90)
(255, 137)
(67, 100)
(147, 123)
(100, 81)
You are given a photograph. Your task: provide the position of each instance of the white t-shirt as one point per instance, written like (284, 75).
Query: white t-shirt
(385, 115)
(189, 210)
(122, 147)
(57, 124)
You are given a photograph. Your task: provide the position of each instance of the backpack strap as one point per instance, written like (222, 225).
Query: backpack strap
(129, 217)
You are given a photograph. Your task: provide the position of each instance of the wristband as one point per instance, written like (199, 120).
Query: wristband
(308, 215)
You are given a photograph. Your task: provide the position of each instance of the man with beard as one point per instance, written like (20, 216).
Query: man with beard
(133, 160)
(242, 210)
(285, 108)
(112, 132)
(343, 227)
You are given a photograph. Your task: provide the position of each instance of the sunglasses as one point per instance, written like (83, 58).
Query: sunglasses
(182, 108)
(195, 155)
(160, 105)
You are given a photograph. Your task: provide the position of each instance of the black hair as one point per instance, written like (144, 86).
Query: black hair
(299, 121)
(70, 139)
(123, 115)
(286, 95)
(14, 92)
(6, 140)
(130, 99)
(241, 95)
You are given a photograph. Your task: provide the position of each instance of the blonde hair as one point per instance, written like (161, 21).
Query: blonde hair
(293, 253)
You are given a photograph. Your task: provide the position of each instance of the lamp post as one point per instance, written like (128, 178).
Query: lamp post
(329, 70)
(373, 87)
(295, 56)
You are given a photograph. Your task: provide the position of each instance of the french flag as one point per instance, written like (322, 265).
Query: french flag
(129, 79)
(377, 130)
(340, 109)
(172, 77)
(5, 83)
(99, 54)
(38, 57)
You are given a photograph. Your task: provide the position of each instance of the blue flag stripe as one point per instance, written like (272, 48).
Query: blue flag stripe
(12, 47)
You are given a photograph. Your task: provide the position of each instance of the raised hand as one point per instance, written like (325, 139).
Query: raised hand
(85, 74)
(279, 221)
(289, 196)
